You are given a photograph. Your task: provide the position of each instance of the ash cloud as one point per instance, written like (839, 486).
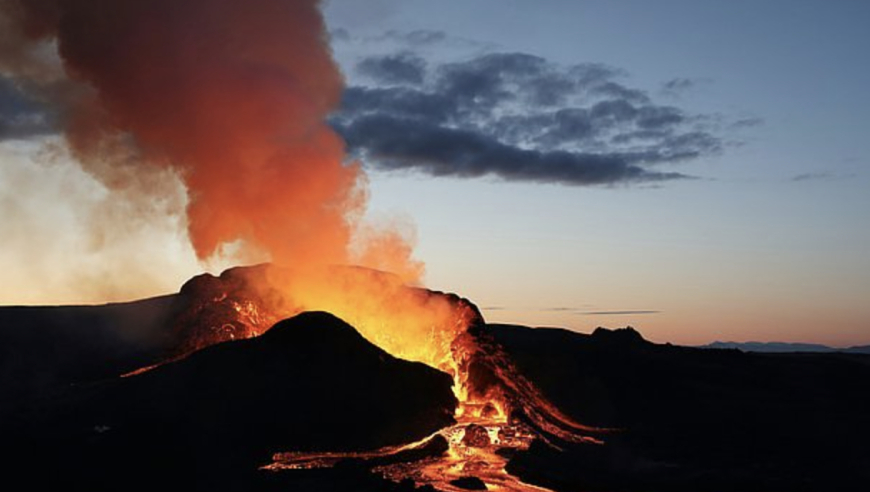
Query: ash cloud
(227, 100)
(231, 95)
(516, 117)
(68, 239)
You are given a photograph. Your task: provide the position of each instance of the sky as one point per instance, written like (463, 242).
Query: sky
(767, 240)
(695, 169)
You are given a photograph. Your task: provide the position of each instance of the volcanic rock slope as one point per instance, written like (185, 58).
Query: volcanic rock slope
(677, 418)
(209, 420)
(685, 419)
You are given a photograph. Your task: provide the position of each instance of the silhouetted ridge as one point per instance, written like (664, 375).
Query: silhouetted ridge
(627, 335)
(691, 419)
(42, 347)
(311, 383)
(784, 347)
(322, 332)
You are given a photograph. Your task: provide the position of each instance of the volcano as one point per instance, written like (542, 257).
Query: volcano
(232, 384)
(311, 382)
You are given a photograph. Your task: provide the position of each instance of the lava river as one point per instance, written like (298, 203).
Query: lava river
(496, 417)
(499, 412)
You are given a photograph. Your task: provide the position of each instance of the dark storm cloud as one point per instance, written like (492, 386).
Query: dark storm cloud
(677, 86)
(398, 102)
(594, 73)
(20, 116)
(621, 93)
(402, 68)
(396, 143)
(748, 122)
(653, 117)
(517, 117)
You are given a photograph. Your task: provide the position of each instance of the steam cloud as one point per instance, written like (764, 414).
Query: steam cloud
(230, 97)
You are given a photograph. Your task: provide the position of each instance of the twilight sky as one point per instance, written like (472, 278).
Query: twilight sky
(695, 169)
(749, 217)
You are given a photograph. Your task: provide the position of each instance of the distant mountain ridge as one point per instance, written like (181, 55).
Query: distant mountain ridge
(772, 347)
(687, 419)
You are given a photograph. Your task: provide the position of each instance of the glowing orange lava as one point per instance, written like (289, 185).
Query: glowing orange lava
(499, 411)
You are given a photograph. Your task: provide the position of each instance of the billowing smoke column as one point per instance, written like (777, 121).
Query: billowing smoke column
(231, 94)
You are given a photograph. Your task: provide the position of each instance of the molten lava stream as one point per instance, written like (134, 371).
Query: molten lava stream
(474, 445)
(497, 415)
(482, 430)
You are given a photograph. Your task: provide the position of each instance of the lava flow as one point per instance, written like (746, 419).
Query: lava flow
(492, 423)
(499, 411)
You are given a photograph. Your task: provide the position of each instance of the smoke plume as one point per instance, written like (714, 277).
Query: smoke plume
(230, 96)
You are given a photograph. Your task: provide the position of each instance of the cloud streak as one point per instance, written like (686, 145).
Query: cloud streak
(619, 313)
(817, 176)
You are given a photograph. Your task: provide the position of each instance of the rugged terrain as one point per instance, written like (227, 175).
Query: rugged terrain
(204, 388)
(695, 419)
(311, 383)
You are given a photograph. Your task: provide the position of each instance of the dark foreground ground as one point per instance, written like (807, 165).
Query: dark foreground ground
(209, 421)
(696, 419)
(683, 419)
